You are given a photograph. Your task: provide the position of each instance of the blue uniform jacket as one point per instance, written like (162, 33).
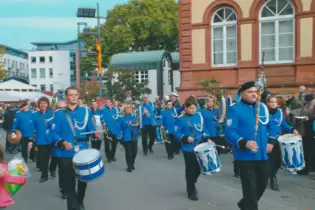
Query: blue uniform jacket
(111, 123)
(190, 126)
(82, 122)
(24, 122)
(240, 128)
(277, 122)
(169, 117)
(211, 117)
(129, 130)
(42, 127)
(151, 120)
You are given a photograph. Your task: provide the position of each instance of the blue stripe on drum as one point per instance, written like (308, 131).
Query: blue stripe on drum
(89, 165)
(92, 177)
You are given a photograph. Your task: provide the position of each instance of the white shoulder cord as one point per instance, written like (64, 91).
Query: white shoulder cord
(281, 117)
(201, 123)
(84, 121)
(267, 115)
(175, 113)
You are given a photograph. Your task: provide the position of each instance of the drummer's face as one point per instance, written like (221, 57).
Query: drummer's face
(169, 105)
(128, 109)
(72, 96)
(210, 103)
(94, 105)
(191, 109)
(250, 95)
(43, 105)
(273, 103)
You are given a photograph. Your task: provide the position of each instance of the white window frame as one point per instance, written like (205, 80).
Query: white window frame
(139, 79)
(32, 73)
(276, 19)
(223, 25)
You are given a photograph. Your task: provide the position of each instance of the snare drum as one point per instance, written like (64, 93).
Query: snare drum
(208, 158)
(292, 152)
(88, 165)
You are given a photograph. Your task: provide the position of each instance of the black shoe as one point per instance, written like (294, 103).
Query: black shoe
(236, 175)
(113, 159)
(176, 153)
(53, 174)
(151, 150)
(170, 157)
(303, 172)
(63, 196)
(129, 170)
(109, 161)
(274, 184)
(196, 191)
(81, 207)
(193, 197)
(133, 168)
(43, 180)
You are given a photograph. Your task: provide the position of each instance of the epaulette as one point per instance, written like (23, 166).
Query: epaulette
(181, 115)
(18, 112)
(34, 112)
(59, 110)
(233, 104)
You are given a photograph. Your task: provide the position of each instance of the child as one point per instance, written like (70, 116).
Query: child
(5, 177)
(277, 123)
(191, 131)
(128, 125)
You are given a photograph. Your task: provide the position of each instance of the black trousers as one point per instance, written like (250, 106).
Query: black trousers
(24, 147)
(33, 153)
(96, 144)
(110, 146)
(171, 147)
(148, 130)
(53, 163)
(69, 184)
(308, 149)
(192, 172)
(131, 150)
(176, 145)
(43, 154)
(275, 159)
(254, 178)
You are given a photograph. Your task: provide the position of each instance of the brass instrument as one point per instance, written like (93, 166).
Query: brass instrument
(14, 139)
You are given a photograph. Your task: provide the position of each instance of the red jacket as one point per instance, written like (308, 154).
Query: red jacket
(5, 197)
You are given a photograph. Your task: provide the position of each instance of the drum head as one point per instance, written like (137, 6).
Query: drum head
(289, 139)
(204, 147)
(86, 156)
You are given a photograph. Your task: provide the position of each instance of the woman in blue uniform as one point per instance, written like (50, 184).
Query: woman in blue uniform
(130, 134)
(211, 116)
(191, 131)
(277, 123)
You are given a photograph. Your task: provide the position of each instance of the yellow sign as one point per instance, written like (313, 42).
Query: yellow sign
(99, 57)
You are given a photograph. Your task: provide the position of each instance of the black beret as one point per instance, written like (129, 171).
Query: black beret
(309, 97)
(247, 85)
(23, 104)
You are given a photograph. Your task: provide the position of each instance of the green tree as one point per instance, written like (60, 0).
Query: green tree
(139, 25)
(211, 86)
(3, 72)
(126, 82)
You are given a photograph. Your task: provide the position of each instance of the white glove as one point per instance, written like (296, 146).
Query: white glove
(13, 135)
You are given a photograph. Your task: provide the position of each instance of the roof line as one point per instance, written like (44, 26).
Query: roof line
(11, 48)
(54, 43)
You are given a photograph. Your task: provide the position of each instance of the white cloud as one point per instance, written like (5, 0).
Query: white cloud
(45, 22)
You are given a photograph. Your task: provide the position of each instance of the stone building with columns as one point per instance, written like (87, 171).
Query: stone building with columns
(225, 39)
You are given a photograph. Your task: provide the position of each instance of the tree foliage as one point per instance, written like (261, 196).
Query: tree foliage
(139, 25)
(3, 72)
(89, 89)
(211, 86)
(123, 81)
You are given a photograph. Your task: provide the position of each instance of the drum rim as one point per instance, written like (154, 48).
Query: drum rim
(95, 178)
(80, 164)
(212, 145)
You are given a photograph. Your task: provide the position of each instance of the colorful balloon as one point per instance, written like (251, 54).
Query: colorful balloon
(13, 188)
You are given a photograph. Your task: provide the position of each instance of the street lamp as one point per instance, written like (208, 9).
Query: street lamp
(93, 13)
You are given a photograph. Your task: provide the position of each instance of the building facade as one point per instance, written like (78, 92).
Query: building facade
(49, 70)
(69, 46)
(15, 62)
(227, 39)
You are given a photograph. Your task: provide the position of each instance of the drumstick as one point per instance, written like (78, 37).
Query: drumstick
(222, 147)
(92, 132)
(166, 141)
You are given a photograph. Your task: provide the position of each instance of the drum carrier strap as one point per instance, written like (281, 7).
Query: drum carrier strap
(71, 126)
(191, 130)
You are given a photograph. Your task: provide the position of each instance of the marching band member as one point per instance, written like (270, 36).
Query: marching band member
(148, 125)
(24, 122)
(250, 155)
(169, 116)
(109, 119)
(190, 130)
(43, 141)
(174, 99)
(277, 122)
(67, 127)
(129, 126)
(96, 118)
(211, 117)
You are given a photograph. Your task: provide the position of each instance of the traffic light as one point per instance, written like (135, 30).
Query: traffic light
(99, 57)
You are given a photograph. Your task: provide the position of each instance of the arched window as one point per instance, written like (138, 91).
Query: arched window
(277, 31)
(224, 37)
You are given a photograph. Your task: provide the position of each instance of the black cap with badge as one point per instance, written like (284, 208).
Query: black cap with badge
(247, 85)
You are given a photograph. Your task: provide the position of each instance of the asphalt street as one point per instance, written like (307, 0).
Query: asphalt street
(159, 184)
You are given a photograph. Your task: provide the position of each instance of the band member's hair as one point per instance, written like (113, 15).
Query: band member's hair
(45, 99)
(213, 97)
(270, 97)
(169, 101)
(70, 88)
(80, 98)
(191, 100)
(124, 106)
(1, 153)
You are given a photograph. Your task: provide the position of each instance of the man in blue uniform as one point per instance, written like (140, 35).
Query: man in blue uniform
(96, 118)
(24, 122)
(148, 123)
(41, 120)
(67, 134)
(251, 155)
